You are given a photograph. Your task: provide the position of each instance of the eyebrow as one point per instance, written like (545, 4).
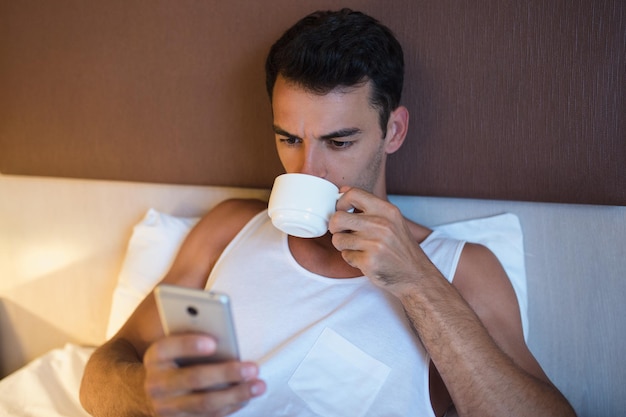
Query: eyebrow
(341, 133)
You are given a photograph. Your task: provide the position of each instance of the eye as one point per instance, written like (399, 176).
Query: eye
(290, 140)
(339, 144)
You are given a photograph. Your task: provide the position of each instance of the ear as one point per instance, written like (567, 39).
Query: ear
(397, 128)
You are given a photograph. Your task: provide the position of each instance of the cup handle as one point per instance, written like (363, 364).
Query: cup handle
(339, 195)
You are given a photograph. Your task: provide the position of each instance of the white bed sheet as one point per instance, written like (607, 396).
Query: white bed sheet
(46, 387)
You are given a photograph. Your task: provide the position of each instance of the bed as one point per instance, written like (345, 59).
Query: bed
(48, 385)
(122, 125)
(53, 314)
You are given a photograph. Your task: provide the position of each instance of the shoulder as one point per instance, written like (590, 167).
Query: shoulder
(222, 223)
(477, 259)
(483, 283)
(232, 213)
(208, 239)
(480, 278)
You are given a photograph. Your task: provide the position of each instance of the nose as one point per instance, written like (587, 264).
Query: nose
(312, 161)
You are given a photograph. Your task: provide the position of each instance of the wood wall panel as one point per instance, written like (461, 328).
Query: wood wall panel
(509, 100)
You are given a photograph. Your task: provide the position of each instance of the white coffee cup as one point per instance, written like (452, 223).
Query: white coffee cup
(301, 204)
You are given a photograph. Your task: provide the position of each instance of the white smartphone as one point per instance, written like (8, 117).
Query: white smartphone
(184, 309)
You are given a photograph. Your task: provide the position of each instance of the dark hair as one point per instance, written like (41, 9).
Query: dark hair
(327, 49)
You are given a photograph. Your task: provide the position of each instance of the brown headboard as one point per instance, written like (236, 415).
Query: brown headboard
(521, 100)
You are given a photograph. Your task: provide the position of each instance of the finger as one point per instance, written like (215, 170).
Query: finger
(345, 202)
(354, 258)
(359, 200)
(373, 225)
(342, 222)
(199, 377)
(215, 403)
(170, 348)
(343, 232)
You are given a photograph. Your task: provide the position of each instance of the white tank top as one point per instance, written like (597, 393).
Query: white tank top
(326, 347)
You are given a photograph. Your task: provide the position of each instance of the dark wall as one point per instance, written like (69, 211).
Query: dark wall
(520, 100)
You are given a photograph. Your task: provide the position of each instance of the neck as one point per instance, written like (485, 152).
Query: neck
(319, 256)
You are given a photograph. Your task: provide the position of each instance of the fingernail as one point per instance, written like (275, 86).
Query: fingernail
(248, 372)
(206, 344)
(257, 389)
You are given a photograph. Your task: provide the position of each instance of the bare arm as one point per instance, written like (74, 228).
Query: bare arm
(475, 340)
(473, 334)
(114, 381)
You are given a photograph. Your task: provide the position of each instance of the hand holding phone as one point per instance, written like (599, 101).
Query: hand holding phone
(184, 309)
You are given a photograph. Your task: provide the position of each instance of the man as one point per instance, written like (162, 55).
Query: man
(379, 317)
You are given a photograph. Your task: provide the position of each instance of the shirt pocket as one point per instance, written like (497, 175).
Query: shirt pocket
(336, 377)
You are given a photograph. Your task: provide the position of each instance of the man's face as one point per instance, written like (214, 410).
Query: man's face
(336, 136)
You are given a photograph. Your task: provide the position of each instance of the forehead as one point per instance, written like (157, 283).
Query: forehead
(291, 103)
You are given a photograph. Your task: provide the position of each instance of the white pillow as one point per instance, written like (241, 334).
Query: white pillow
(151, 250)
(157, 238)
(502, 234)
